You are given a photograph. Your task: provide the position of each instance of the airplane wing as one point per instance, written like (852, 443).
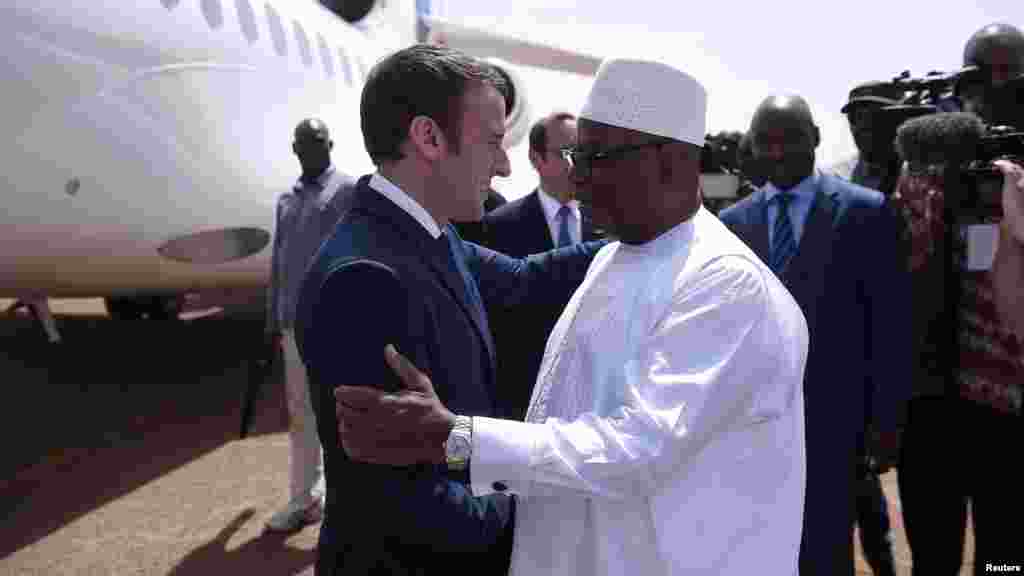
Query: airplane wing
(487, 44)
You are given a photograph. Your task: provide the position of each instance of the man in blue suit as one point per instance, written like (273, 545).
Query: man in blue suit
(396, 271)
(836, 247)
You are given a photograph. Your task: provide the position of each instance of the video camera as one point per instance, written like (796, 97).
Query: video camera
(978, 189)
(982, 182)
(719, 165)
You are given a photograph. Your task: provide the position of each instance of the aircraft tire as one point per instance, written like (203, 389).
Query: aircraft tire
(134, 308)
(123, 308)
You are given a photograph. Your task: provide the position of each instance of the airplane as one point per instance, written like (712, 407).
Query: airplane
(146, 142)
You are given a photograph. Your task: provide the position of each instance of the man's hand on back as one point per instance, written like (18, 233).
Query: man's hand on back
(402, 428)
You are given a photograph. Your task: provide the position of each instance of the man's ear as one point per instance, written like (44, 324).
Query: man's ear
(295, 148)
(535, 160)
(816, 135)
(426, 137)
(330, 145)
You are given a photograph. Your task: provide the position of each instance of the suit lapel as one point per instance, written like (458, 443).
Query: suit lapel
(758, 223)
(462, 281)
(430, 251)
(815, 247)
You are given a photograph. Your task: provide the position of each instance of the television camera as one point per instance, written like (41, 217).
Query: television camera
(977, 187)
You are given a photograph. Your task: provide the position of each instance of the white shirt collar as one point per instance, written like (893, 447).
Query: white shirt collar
(551, 205)
(387, 189)
(322, 179)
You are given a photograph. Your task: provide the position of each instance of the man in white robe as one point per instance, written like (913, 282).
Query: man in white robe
(665, 434)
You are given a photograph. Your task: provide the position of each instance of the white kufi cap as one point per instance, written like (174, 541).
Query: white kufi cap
(648, 97)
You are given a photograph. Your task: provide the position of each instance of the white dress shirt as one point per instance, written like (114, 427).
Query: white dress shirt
(407, 203)
(551, 207)
(799, 206)
(665, 435)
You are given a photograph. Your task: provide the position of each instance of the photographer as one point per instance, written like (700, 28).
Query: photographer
(876, 164)
(721, 156)
(964, 422)
(993, 92)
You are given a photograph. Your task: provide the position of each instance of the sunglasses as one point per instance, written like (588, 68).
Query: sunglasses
(581, 161)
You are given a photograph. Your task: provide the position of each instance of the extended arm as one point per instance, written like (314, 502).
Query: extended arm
(543, 279)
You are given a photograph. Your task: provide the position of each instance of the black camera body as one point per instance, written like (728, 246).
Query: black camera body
(981, 182)
(976, 188)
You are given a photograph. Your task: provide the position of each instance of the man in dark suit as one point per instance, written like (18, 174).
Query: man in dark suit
(547, 218)
(836, 248)
(396, 272)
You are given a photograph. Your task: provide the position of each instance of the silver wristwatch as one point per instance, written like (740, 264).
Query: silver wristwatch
(458, 448)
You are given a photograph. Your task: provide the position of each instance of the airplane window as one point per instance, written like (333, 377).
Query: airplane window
(346, 69)
(276, 31)
(212, 13)
(170, 4)
(350, 11)
(325, 55)
(300, 36)
(247, 19)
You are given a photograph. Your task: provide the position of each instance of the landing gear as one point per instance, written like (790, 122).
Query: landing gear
(144, 307)
(40, 309)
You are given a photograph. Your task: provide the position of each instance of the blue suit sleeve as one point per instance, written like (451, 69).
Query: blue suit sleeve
(887, 287)
(544, 279)
(360, 307)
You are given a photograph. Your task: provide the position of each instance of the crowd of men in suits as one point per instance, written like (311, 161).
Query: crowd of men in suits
(835, 237)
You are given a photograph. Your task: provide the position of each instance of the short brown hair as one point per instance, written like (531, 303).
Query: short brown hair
(422, 80)
(539, 132)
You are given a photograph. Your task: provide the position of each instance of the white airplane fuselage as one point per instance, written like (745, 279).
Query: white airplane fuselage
(128, 125)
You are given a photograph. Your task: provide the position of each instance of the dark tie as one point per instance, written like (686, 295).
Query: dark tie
(452, 264)
(564, 238)
(783, 240)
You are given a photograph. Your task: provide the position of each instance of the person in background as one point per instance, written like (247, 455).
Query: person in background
(305, 216)
(969, 333)
(834, 245)
(876, 164)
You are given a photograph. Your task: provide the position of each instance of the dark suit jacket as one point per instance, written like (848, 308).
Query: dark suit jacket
(519, 229)
(849, 277)
(382, 279)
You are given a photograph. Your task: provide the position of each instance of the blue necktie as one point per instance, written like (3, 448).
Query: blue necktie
(451, 261)
(783, 240)
(564, 239)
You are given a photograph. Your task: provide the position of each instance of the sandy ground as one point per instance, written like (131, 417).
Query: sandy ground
(123, 453)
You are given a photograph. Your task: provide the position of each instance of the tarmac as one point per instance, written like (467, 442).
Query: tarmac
(123, 453)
